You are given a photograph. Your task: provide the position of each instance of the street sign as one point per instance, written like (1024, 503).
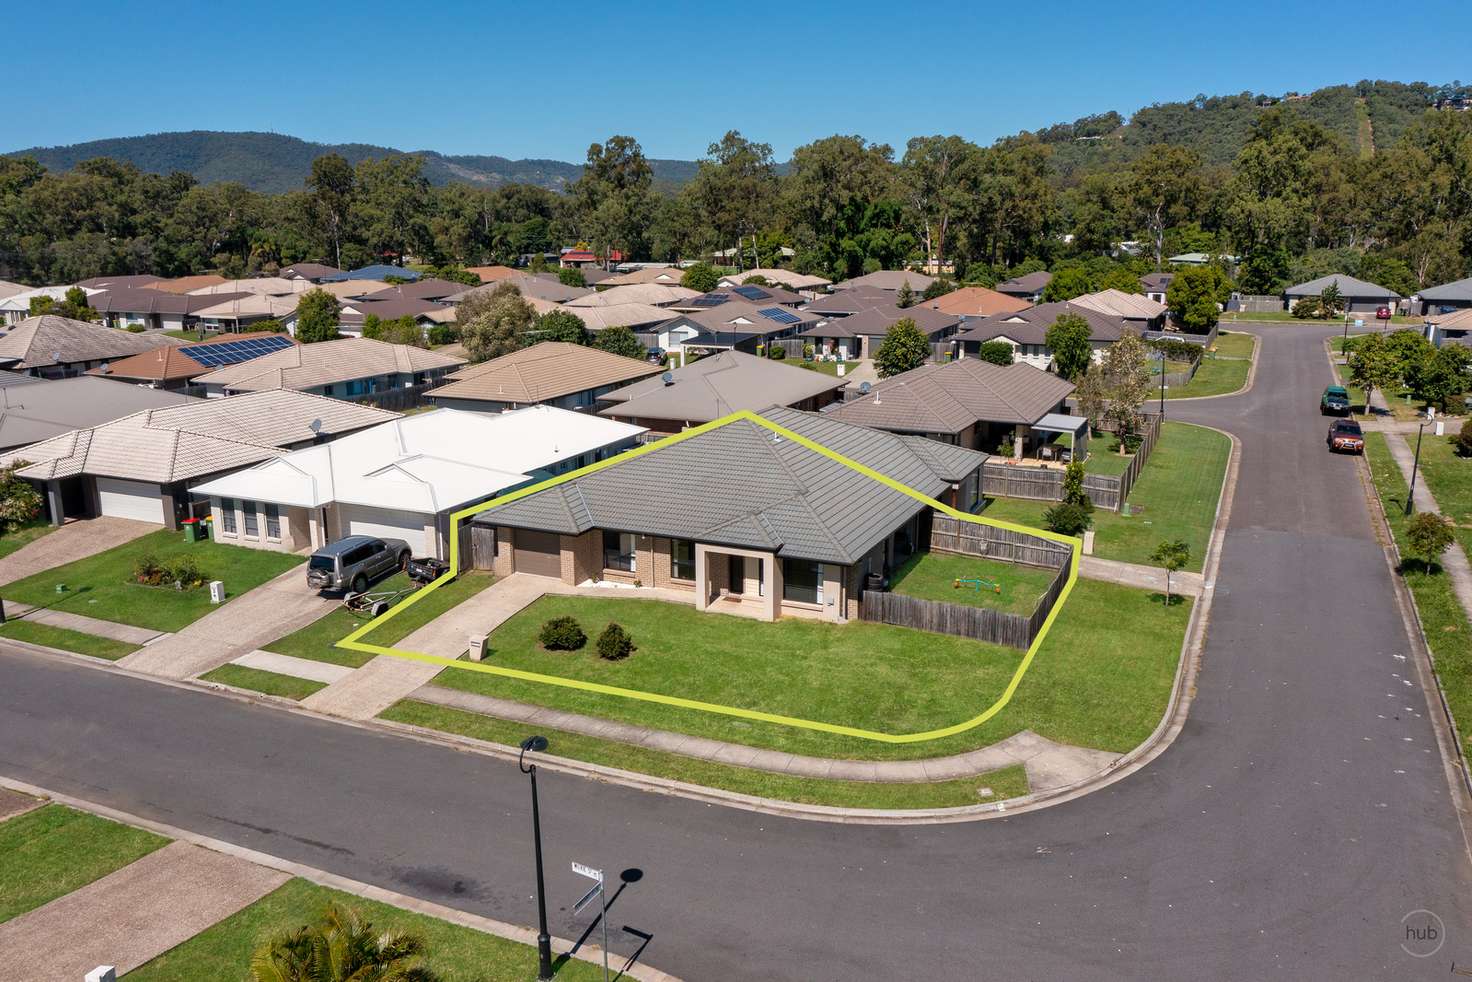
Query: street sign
(587, 898)
(596, 875)
(588, 871)
(1359, 322)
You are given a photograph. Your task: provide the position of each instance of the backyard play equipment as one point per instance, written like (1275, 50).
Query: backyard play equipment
(978, 584)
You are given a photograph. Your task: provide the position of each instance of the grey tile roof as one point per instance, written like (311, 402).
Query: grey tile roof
(1030, 326)
(745, 486)
(1459, 290)
(39, 342)
(949, 398)
(717, 386)
(850, 301)
(44, 409)
(877, 320)
(117, 300)
(889, 279)
(1026, 283)
(1348, 287)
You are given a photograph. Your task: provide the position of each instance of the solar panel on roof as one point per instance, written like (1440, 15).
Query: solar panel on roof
(779, 315)
(752, 292)
(220, 353)
(710, 300)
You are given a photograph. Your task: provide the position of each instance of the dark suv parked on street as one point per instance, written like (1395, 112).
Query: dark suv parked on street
(1334, 401)
(354, 562)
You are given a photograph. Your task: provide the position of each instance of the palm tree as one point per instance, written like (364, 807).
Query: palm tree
(1330, 301)
(341, 947)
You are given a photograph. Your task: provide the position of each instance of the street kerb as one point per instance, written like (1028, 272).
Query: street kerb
(353, 643)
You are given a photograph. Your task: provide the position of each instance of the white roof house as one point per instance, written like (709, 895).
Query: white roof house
(17, 306)
(405, 477)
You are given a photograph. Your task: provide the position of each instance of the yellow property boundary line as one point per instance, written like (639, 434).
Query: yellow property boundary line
(352, 642)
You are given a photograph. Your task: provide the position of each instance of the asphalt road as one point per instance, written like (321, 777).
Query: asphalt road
(1303, 812)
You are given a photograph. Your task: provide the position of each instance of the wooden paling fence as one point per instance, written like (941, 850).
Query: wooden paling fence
(999, 480)
(972, 539)
(477, 546)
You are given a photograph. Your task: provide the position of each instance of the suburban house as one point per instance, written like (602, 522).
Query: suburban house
(581, 258)
(891, 280)
(860, 335)
(404, 478)
(311, 272)
(121, 281)
(140, 466)
(796, 534)
(348, 368)
(1358, 296)
(376, 271)
(269, 286)
(975, 301)
(52, 346)
(1199, 259)
(1452, 328)
(177, 366)
(155, 310)
(969, 403)
(425, 289)
(798, 282)
(532, 288)
(490, 274)
(17, 307)
(32, 409)
(186, 284)
(552, 373)
(592, 275)
(759, 296)
(1155, 285)
(9, 289)
(1028, 286)
(1446, 298)
(735, 325)
(850, 301)
(241, 313)
(345, 290)
(717, 386)
(638, 317)
(426, 313)
(1141, 313)
(651, 294)
(662, 275)
(1027, 330)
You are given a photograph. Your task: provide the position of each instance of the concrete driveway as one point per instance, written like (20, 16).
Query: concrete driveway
(73, 541)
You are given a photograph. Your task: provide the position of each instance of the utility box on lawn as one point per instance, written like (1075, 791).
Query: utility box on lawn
(478, 647)
(217, 591)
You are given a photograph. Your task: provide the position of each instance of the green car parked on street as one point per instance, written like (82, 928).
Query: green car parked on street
(1334, 401)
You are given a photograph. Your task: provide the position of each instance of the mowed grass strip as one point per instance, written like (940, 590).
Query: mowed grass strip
(22, 536)
(1101, 678)
(937, 576)
(103, 585)
(1234, 344)
(455, 953)
(1010, 782)
(66, 639)
(1174, 498)
(1450, 479)
(316, 640)
(1215, 377)
(260, 680)
(53, 850)
(1447, 630)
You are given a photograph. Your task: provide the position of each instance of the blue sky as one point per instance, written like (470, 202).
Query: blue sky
(543, 80)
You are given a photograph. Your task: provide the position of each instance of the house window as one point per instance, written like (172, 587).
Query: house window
(682, 559)
(248, 511)
(273, 521)
(618, 551)
(227, 515)
(802, 581)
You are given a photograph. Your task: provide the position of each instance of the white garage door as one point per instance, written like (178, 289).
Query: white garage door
(130, 499)
(386, 522)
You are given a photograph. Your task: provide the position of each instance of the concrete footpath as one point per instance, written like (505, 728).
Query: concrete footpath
(69, 543)
(1454, 560)
(1182, 584)
(126, 633)
(132, 915)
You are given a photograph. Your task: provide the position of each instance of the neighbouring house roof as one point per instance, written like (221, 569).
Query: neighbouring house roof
(850, 301)
(652, 294)
(375, 271)
(426, 289)
(351, 289)
(949, 398)
(761, 296)
(541, 373)
(666, 275)
(21, 302)
(888, 279)
(1460, 290)
(876, 321)
(325, 363)
(531, 287)
(1026, 284)
(975, 301)
(354, 311)
(780, 277)
(149, 301)
(1130, 306)
(717, 386)
(592, 275)
(187, 361)
(249, 305)
(44, 409)
(425, 463)
(39, 342)
(1030, 326)
(193, 439)
(9, 289)
(740, 317)
(1156, 282)
(1348, 286)
(630, 315)
(309, 271)
(125, 282)
(490, 274)
(1456, 320)
(183, 284)
(274, 286)
(788, 499)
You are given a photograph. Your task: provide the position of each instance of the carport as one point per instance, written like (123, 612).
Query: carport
(1075, 426)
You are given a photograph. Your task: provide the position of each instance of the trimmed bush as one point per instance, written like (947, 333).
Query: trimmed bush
(1068, 519)
(148, 570)
(185, 572)
(1464, 440)
(562, 634)
(614, 643)
(778, 352)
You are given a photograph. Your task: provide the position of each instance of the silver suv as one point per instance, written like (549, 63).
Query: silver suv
(355, 562)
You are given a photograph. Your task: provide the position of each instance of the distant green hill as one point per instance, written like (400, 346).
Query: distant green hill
(1365, 115)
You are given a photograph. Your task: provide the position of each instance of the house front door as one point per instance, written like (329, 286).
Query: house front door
(736, 575)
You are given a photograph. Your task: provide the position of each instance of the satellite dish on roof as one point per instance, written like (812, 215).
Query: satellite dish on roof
(668, 378)
(864, 388)
(104, 368)
(315, 426)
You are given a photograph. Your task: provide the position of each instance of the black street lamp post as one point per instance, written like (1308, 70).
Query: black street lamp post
(1415, 464)
(537, 744)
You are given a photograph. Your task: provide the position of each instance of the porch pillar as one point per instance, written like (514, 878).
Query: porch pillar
(1017, 437)
(53, 501)
(772, 602)
(702, 576)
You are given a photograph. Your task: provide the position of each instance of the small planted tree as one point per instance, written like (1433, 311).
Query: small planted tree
(905, 297)
(1429, 535)
(996, 352)
(1073, 486)
(342, 947)
(1068, 342)
(904, 347)
(562, 634)
(1464, 439)
(316, 317)
(615, 644)
(702, 278)
(619, 341)
(571, 276)
(1173, 554)
(1067, 518)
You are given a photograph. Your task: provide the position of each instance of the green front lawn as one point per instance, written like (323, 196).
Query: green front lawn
(54, 850)
(1234, 344)
(24, 535)
(934, 576)
(826, 367)
(1448, 632)
(1100, 679)
(1280, 316)
(1009, 782)
(457, 954)
(1105, 458)
(66, 640)
(258, 680)
(1449, 477)
(316, 640)
(103, 586)
(1174, 498)
(1216, 376)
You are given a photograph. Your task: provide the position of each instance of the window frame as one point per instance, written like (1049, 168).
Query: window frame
(228, 524)
(676, 562)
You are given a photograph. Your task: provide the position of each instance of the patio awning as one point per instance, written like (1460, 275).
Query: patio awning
(1062, 423)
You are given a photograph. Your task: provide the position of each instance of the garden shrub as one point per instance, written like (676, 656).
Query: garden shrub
(778, 352)
(185, 572)
(614, 643)
(1067, 518)
(1464, 440)
(148, 570)
(562, 634)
